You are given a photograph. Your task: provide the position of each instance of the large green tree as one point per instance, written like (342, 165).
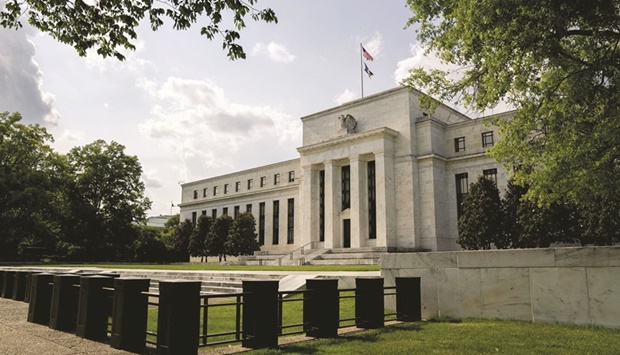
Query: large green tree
(29, 181)
(109, 25)
(556, 62)
(198, 240)
(480, 225)
(105, 197)
(242, 237)
(216, 239)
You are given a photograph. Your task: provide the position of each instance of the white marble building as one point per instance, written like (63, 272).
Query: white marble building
(390, 177)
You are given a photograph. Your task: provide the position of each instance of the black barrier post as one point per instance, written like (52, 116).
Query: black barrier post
(7, 286)
(1, 281)
(322, 308)
(178, 322)
(19, 286)
(408, 300)
(129, 315)
(369, 302)
(65, 297)
(92, 320)
(28, 285)
(40, 298)
(260, 314)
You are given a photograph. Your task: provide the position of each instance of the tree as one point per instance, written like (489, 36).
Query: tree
(105, 198)
(198, 239)
(600, 221)
(480, 225)
(110, 25)
(180, 241)
(242, 237)
(216, 239)
(557, 63)
(29, 181)
(149, 247)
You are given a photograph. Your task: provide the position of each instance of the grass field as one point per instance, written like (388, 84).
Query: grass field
(218, 267)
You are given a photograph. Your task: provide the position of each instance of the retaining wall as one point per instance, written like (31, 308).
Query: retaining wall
(566, 285)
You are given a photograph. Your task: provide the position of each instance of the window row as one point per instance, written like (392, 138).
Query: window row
(250, 185)
(487, 141)
(275, 232)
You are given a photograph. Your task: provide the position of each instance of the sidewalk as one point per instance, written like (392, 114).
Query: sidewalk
(17, 336)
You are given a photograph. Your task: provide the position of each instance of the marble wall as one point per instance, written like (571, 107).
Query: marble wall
(566, 285)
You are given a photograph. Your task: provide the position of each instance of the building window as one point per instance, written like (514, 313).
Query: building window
(459, 144)
(237, 186)
(194, 215)
(261, 223)
(462, 190)
(226, 188)
(276, 179)
(290, 235)
(195, 194)
(215, 190)
(204, 213)
(276, 222)
(236, 212)
(487, 139)
(250, 184)
(291, 176)
(248, 208)
(346, 187)
(225, 211)
(263, 181)
(490, 174)
(214, 214)
(372, 201)
(322, 205)
(204, 192)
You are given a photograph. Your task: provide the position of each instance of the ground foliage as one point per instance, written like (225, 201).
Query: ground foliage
(557, 63)
(110, 26)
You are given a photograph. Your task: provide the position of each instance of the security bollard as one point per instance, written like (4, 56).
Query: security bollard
(19, 285)
(369, 302)
(92, 319)
(1, 281)
(322, 308)
(65, 297)
(28, 285)
(178, 322)
(40, 298)
(129, 315)
(408, 300)
(260, 314)
(7, 286)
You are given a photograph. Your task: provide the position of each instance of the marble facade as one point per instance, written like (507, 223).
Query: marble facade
(385, 179)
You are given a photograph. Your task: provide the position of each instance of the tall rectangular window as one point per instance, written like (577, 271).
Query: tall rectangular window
(322, 205)
(248, 208)
(194, 217)
(237, 186)
(290, 223)
(204, 192)
(276, 179)
(225, 211)
(250, 184)
(263, 181)
(372, 201)
(291, 176)
(236, 212)
(204, 212)
(261, 223)
(462, 190)
(226, 188)
(346, 187)
(214, 214)
(487, 139)
(215, 190)
(276, 222)
(459, 144)
(195, 194)
(490, 174)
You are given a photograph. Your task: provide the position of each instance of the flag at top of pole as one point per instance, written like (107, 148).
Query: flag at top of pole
(366, 55)
(364, 68)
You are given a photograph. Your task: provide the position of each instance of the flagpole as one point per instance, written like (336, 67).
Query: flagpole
(361, 70)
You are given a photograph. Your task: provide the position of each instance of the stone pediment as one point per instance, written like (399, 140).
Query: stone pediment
(382, 133)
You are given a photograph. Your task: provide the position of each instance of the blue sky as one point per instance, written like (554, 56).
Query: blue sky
(186, 110)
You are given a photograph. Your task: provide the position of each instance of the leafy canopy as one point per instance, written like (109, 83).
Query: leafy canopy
(556, 62)
(111, 24)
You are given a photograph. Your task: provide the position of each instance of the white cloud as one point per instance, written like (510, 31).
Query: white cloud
(275, 51)
(345, 97)
(419, 59)
(151, 180)
(210, 133)
(21, 79)
(374, 45)
(133, 62)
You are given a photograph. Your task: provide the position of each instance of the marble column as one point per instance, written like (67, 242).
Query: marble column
(332, 205)
(357, 196)
(386, 208)
(309, 229)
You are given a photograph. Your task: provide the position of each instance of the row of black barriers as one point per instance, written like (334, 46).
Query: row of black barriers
(84, 303)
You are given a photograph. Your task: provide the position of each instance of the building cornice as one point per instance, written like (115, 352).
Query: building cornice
(382, 132)
(243, 195)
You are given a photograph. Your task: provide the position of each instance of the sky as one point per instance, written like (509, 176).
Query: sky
(188, 112)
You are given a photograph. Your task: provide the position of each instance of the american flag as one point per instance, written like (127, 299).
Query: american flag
(366, 55)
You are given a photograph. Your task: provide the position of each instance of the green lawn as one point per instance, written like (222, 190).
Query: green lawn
(218, 267)
(471, 336)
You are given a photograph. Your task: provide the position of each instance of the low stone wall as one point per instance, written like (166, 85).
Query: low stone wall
(566, 285)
